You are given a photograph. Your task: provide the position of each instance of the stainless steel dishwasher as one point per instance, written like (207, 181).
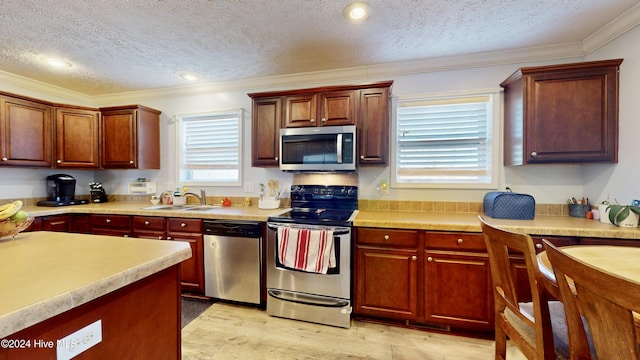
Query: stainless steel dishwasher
(232, 260)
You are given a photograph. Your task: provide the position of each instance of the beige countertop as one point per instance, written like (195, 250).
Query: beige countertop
(124, 208)
(466, 222)
(541, 225)
(47, 273)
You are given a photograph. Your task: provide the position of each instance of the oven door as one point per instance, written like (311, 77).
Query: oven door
(337, 281)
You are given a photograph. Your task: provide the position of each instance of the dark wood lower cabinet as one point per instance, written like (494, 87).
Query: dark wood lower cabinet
(190, 230)
(436, 278)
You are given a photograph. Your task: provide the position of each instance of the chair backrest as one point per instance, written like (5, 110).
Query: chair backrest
(504, 247)
(606, 302)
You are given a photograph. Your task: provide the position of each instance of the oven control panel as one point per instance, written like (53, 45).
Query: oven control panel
(309, 192)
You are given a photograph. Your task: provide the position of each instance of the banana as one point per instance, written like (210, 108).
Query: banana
(8, 211)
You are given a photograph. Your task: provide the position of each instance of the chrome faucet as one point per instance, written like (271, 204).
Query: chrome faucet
(202, 197)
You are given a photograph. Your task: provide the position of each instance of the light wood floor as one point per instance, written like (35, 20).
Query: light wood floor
(234, 332)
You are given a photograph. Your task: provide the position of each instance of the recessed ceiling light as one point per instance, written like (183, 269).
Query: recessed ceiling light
(189, 76)
(57, 62)
(357, 11)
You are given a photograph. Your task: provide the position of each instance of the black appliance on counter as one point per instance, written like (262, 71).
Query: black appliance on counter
(61, 191)
(97, 193)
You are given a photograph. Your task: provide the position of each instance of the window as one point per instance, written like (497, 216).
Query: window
(210, 148)
(446, 141)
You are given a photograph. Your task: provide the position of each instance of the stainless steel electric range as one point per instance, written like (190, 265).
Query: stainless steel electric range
(323, 297)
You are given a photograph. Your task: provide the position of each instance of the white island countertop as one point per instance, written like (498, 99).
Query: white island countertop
(43, 274)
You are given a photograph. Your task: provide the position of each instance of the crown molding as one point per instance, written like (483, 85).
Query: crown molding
(615, 28)
(17, 84)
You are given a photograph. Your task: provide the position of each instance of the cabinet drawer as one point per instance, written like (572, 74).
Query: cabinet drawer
(393, 237)
(146, 223)
(455, 241)
(184, 225)
(111, 221)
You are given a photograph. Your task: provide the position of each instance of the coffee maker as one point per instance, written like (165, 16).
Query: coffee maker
(61, 189)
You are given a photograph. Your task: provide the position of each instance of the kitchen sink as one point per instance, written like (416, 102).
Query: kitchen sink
(182, 208)
(201, 207)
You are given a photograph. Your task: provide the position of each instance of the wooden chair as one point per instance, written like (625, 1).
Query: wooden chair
(607, 303)
(529, 326)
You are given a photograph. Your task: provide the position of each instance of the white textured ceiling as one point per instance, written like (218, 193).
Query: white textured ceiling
(127, 45)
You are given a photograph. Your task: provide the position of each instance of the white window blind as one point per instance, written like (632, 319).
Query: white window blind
(210, 148)
(444, 141)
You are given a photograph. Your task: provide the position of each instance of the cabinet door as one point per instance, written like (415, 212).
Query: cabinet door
(119, 139)
(373, 127)
(265, 131)
(300, 110)
(338, 108)
(77, 138)
(192, 269)
(458, 289)
(386, 282)
(562, 113)
(25, 133)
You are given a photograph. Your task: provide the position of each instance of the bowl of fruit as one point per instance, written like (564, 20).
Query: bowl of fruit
(13, 220)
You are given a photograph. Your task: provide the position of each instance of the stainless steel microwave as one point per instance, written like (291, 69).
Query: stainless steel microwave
(325, 148)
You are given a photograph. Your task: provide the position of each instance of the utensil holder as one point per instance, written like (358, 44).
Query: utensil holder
(269, 203)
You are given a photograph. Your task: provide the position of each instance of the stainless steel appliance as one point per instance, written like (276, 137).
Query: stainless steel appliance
(310, 296)
(232, 260)
(323, 148)
(61, 190)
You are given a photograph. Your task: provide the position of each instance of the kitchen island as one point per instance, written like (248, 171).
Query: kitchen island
(110, 297)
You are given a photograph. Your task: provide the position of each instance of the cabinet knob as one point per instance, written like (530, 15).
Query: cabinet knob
(131, 161)
(460, 241)
(277, 158)
(414, 258)
(386, 236)
(59, 161)
(313, 120)
(362, 157)
(538, 246)
(146, 223)
(168, 237)
(108, 221)
(4, 159)
(159, 237)
(183, 224)
(324, 120)
(125, 235)
(534, 154)
(429, 259)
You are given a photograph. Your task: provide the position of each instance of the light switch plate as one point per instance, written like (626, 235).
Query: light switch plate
(248, 187)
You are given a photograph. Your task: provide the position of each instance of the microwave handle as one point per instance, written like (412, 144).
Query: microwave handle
(339, 148)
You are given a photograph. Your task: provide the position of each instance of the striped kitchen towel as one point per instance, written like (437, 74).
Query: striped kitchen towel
(306, 250)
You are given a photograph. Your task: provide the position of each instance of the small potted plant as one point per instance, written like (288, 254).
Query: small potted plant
(624, 215)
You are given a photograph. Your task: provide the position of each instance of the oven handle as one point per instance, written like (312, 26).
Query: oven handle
(307, 299)
(336, 231)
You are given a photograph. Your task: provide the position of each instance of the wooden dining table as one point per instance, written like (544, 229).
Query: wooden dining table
(623, 261)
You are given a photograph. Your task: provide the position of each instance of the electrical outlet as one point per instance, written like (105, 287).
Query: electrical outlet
(73, 344)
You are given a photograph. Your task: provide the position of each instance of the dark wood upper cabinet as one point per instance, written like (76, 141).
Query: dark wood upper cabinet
(373, 127)
(366, 106)
(265, 127)
(77, 134)
(130, 137)
(25, 132)
(564, 113)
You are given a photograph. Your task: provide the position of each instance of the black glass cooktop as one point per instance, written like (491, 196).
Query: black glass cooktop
(320, 204)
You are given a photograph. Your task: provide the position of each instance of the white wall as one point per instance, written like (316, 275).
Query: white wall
(547, 183)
